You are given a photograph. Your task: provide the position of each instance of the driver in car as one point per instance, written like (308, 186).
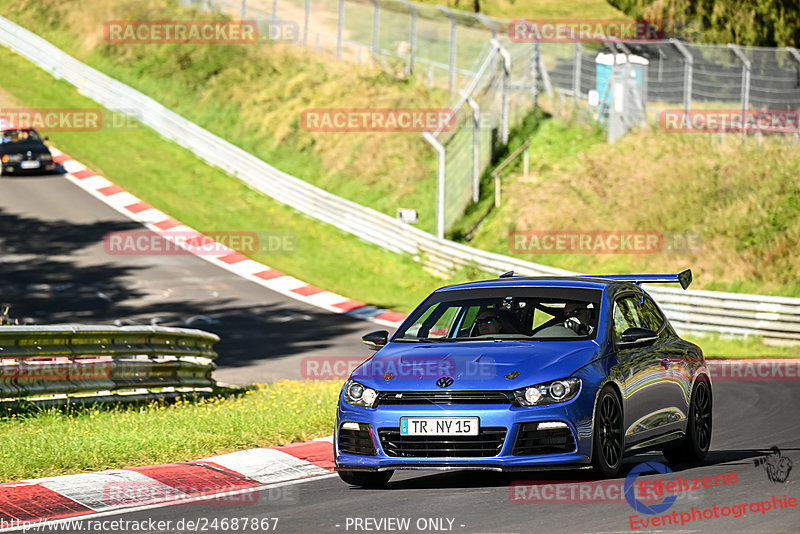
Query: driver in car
(578, 318)
(493, 321)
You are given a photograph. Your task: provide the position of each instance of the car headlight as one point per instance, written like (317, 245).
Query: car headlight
(359, 395)
(12, 157)
(548, 392)
(45, 157)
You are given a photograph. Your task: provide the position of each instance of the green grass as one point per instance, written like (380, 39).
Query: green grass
(740, 198)
(716, 347)
(175, 181)
(254, 95)
(91, 439)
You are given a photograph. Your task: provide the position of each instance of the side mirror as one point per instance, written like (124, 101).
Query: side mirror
(375, 340)
(45, 138)
(637, 337)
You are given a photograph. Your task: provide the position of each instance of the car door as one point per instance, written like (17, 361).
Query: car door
(674, 389)
(641, 373)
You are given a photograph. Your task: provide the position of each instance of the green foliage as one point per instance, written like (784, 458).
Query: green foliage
(743, 22)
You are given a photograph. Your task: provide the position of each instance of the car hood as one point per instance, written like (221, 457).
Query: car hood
(473, 365)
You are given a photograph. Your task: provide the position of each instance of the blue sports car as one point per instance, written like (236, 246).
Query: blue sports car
(521, 373)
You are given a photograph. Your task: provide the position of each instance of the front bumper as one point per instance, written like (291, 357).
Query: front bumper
(575, 414)
(12, 168)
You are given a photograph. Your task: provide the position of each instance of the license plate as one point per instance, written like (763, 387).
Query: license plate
(29, 165)
(439, 426)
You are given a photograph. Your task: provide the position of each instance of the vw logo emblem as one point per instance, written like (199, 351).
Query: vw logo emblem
(445, 381)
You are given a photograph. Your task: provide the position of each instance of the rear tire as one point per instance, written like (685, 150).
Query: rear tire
(607, 442)
(693, 447)
(366, 479)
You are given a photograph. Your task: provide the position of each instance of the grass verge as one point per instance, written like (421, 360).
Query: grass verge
(718, 347)
(97, 438)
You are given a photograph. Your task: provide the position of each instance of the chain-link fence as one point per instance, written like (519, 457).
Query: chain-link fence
(495, 81)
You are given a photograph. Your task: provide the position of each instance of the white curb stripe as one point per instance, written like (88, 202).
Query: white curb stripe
(110, 489)
(267, 465)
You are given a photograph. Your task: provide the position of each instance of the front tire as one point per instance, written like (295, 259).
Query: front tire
(366, 479)
(695, 444)
(607, 442)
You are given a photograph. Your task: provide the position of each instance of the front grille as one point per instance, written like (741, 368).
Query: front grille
(488, 443)
(357, 442)
(531, 442)
(444, 397)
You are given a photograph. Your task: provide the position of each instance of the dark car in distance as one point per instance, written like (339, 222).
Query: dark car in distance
(22, 151)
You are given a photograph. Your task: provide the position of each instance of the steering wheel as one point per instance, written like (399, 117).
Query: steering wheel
(575, 324)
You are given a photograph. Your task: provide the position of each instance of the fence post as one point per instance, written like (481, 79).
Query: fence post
(453, 41)
(506, 82)
(243, 10)
(576, 75)
(534, 70)
(688, 64)
(745, 82)
(340, 30)
(376, 25)
(476, 146)
(437, 146)
(305, 22)
(413, 36)
(796, 55)
(526, 161)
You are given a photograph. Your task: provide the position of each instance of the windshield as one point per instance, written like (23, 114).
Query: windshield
(20, 136)
(524, 313)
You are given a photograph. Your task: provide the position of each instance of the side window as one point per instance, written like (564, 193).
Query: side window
(442, 326)
(414, 329)
(651, 317)
(625, 315)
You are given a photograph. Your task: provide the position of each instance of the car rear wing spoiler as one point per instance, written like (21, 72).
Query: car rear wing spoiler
(683, 278)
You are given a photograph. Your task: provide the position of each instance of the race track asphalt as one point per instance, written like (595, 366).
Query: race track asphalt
(749, 419)
(54, 269)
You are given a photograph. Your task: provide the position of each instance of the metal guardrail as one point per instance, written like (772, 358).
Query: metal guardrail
(774, 318)
(40, 362)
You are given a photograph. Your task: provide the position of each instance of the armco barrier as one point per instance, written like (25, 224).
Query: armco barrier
(774, 318)
(46, 361)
